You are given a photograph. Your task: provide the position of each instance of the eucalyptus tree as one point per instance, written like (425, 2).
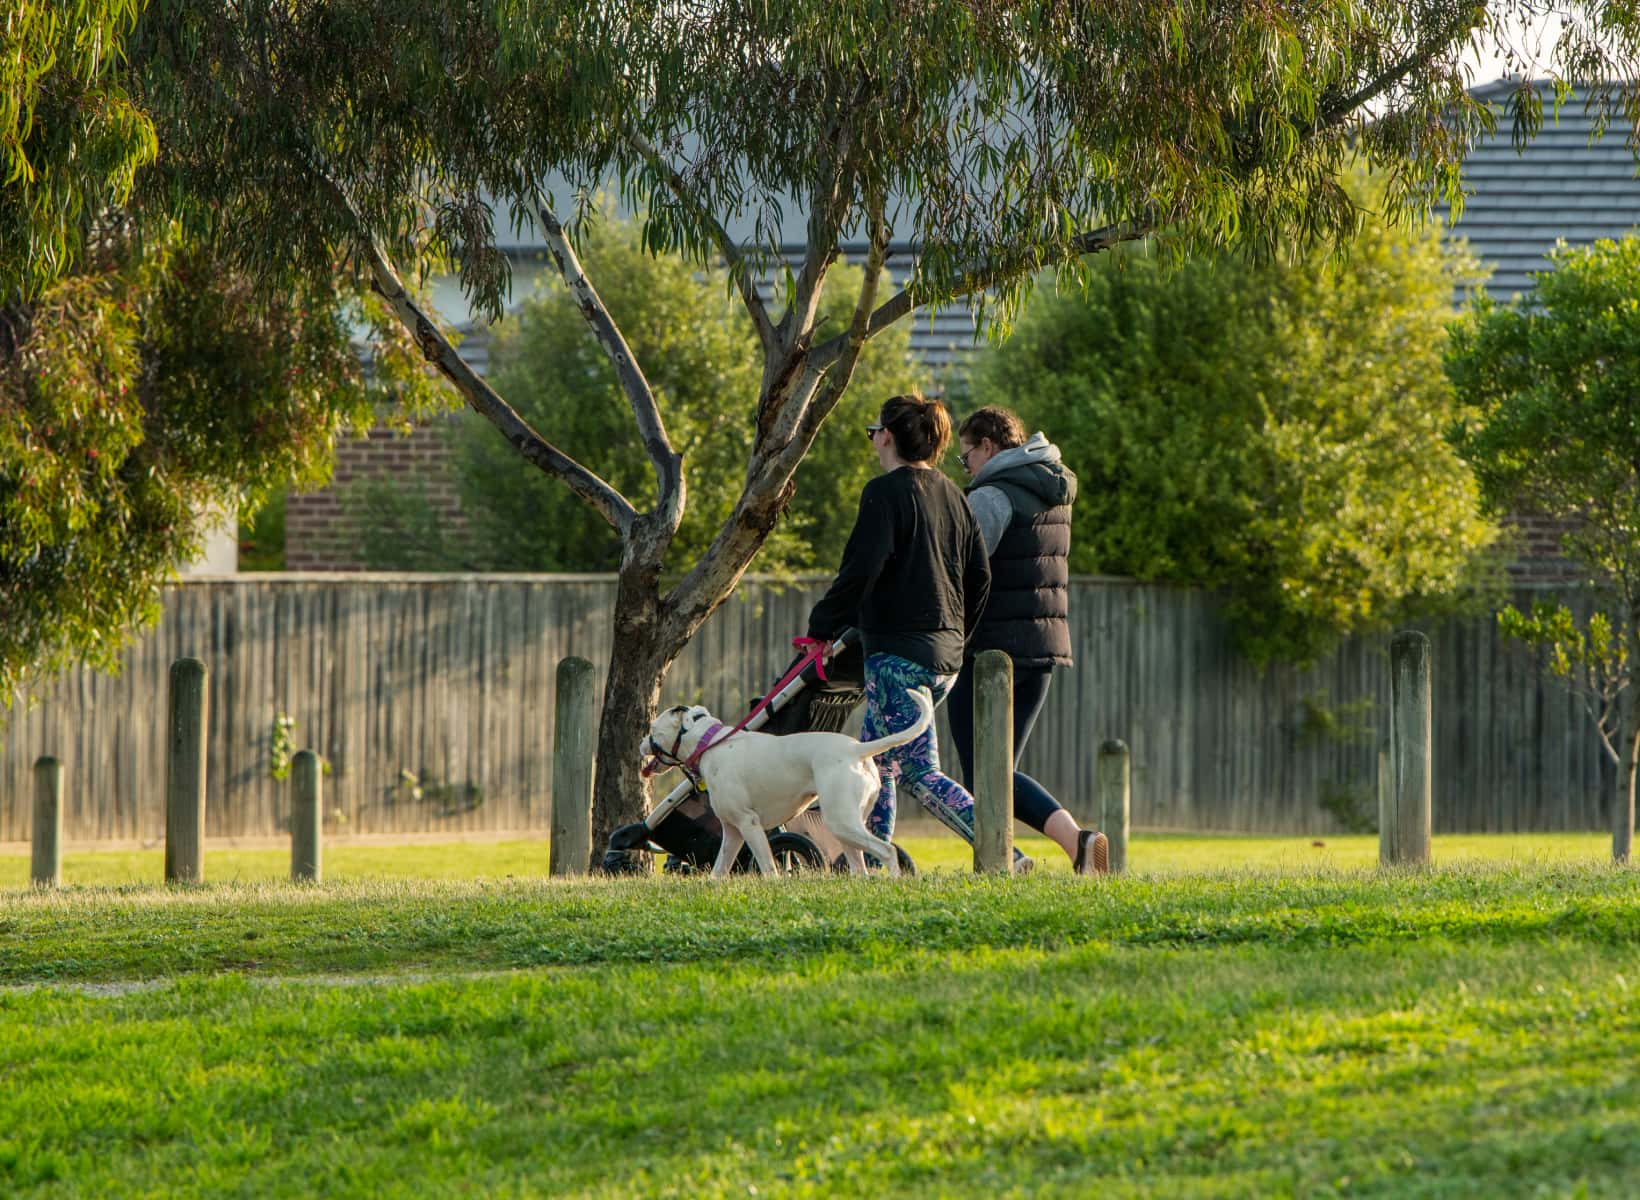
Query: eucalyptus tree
(71, 138)
(145, 382)
(995, 139)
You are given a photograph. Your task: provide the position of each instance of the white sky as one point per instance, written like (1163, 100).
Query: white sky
(1532, 42)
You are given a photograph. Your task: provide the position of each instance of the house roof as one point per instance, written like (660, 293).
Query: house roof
(1561, 185)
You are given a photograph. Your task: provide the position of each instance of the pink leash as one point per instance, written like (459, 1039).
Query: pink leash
(815, 653)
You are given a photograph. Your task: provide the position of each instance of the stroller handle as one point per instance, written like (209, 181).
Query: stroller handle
(679, 794)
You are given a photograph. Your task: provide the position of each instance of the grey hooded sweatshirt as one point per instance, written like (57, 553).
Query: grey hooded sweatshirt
(1021, 500)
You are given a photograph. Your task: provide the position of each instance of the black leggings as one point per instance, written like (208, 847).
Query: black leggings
(1032, 803)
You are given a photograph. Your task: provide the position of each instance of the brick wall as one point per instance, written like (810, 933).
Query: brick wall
(1538, 556)
(319, 536)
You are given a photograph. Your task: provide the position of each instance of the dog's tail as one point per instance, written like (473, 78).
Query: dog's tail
(925, 718)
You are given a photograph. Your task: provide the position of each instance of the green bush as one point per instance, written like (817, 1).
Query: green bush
(1271, 431)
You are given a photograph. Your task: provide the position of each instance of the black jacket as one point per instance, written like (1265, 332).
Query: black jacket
(914, 577)
(1030, 569)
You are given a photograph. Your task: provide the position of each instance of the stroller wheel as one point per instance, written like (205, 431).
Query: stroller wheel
(907, 866)
(793, 855)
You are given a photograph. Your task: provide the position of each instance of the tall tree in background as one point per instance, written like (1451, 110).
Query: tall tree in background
(1273, 431)
(998, 140)
(71, 139)
(1555, 386)
(146, 382)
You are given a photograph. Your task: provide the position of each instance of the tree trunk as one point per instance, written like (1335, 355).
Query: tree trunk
(1628, 741)
(1623, 830)
(643, 647)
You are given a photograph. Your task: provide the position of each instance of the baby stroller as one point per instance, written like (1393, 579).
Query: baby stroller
(683, 827)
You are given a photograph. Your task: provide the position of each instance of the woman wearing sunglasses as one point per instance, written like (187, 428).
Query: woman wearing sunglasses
(913, 581)
(1021, 496)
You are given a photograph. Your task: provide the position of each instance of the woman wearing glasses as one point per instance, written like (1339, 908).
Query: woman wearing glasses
(913, 581)
(1021, 496)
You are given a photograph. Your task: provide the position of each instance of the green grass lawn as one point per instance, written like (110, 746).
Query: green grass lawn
(933, 851)
(1231, 1020)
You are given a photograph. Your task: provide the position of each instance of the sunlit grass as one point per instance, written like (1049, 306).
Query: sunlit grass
(933, 851)
(1466, 1031)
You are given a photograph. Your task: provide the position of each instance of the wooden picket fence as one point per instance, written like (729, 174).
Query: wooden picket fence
(430, 701)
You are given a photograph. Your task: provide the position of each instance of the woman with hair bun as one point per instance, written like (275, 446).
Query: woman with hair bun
(914, 580)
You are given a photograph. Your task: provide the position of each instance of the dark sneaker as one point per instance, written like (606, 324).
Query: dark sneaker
(1092, 853)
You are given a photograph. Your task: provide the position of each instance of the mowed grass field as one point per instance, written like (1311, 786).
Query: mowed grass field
(1237, 1017)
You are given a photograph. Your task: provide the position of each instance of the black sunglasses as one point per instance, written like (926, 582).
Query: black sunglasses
(873, 430)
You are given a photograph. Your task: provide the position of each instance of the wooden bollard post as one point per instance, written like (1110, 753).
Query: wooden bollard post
(1115, 800)
(186, 707)
(994, 763)
(572, 761)
(1386, 807)
(306, 818)
(1404, 833)
(46, 865)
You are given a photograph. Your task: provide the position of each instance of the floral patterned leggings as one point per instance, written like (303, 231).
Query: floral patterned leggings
(914, 766)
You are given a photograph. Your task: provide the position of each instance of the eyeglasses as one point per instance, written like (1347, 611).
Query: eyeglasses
(873, 430)
(963, 458)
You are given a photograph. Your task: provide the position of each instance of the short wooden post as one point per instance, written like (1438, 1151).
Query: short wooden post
(994, 763)
(186, 707)
(1115, 800)
(46, 865)
(306, 818)
(1407, 828)
(1386, 807)
(572, 761)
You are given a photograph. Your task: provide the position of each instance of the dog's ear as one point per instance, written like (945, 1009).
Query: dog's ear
(677, 708)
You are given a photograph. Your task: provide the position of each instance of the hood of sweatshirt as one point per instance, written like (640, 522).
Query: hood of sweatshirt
(1035, 466)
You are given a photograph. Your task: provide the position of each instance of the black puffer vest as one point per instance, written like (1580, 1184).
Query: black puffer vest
(1030, 571)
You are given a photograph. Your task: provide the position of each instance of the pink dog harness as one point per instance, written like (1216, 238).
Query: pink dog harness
(816, 652)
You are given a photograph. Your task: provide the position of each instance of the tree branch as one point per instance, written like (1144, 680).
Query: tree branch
(769, 479)
(825, 220)
(732, 254)
(1329, 115)
(811, 416)
(667, 462)
(482, 398)
(978, 278)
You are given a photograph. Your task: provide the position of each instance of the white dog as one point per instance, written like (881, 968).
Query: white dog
(758, 780)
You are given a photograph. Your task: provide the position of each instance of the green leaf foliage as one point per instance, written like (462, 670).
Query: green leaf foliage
(1269, 430)
(702, 361)
(1000, 132)
(139, 397)
(1553, 385)
(71, 137)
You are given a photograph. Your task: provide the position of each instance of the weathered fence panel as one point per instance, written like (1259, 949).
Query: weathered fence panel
(431, 699)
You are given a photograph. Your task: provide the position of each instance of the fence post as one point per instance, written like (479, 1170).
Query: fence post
(1115, 800)
(186, 706)
(46, 865)
(1404, 837)
(994, 762)
(570, 852)
(306, 809)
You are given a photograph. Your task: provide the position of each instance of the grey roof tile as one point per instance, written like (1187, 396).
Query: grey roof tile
(1560, 186)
